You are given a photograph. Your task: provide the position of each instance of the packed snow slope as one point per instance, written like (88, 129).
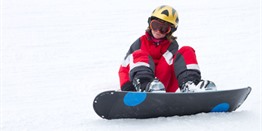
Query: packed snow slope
(57, 55)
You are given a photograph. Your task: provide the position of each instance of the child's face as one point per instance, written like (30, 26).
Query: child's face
(159, 28)
(157, 34)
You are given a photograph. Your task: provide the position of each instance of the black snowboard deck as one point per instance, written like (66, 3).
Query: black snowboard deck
(140, 105)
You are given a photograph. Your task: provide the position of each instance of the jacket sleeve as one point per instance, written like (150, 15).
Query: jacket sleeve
(125, 66)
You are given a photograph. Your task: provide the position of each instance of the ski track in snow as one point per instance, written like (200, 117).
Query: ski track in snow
(56, 56)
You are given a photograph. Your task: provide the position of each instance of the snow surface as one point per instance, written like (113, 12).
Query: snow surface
(57, 55)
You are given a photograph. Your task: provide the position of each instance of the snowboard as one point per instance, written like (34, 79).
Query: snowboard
(140, 105)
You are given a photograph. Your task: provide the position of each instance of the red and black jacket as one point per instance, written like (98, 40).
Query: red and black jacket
(148, 56)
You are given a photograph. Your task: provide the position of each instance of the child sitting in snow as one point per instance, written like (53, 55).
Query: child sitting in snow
(155, 58)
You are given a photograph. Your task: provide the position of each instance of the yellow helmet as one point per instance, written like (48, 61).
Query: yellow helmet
(166, 13)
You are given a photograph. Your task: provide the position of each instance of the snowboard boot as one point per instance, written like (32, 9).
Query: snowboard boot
(203, 85)
(146, 85)
(155, 86)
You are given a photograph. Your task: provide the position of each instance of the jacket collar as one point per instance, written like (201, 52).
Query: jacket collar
(153, 39)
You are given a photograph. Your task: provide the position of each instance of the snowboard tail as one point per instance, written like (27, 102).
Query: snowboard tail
(122, 104)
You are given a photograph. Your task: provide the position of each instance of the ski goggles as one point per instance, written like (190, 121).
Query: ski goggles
(162, 27)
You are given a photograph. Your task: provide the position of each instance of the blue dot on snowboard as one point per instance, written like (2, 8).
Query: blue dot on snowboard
(134, 98)
(222, 107)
